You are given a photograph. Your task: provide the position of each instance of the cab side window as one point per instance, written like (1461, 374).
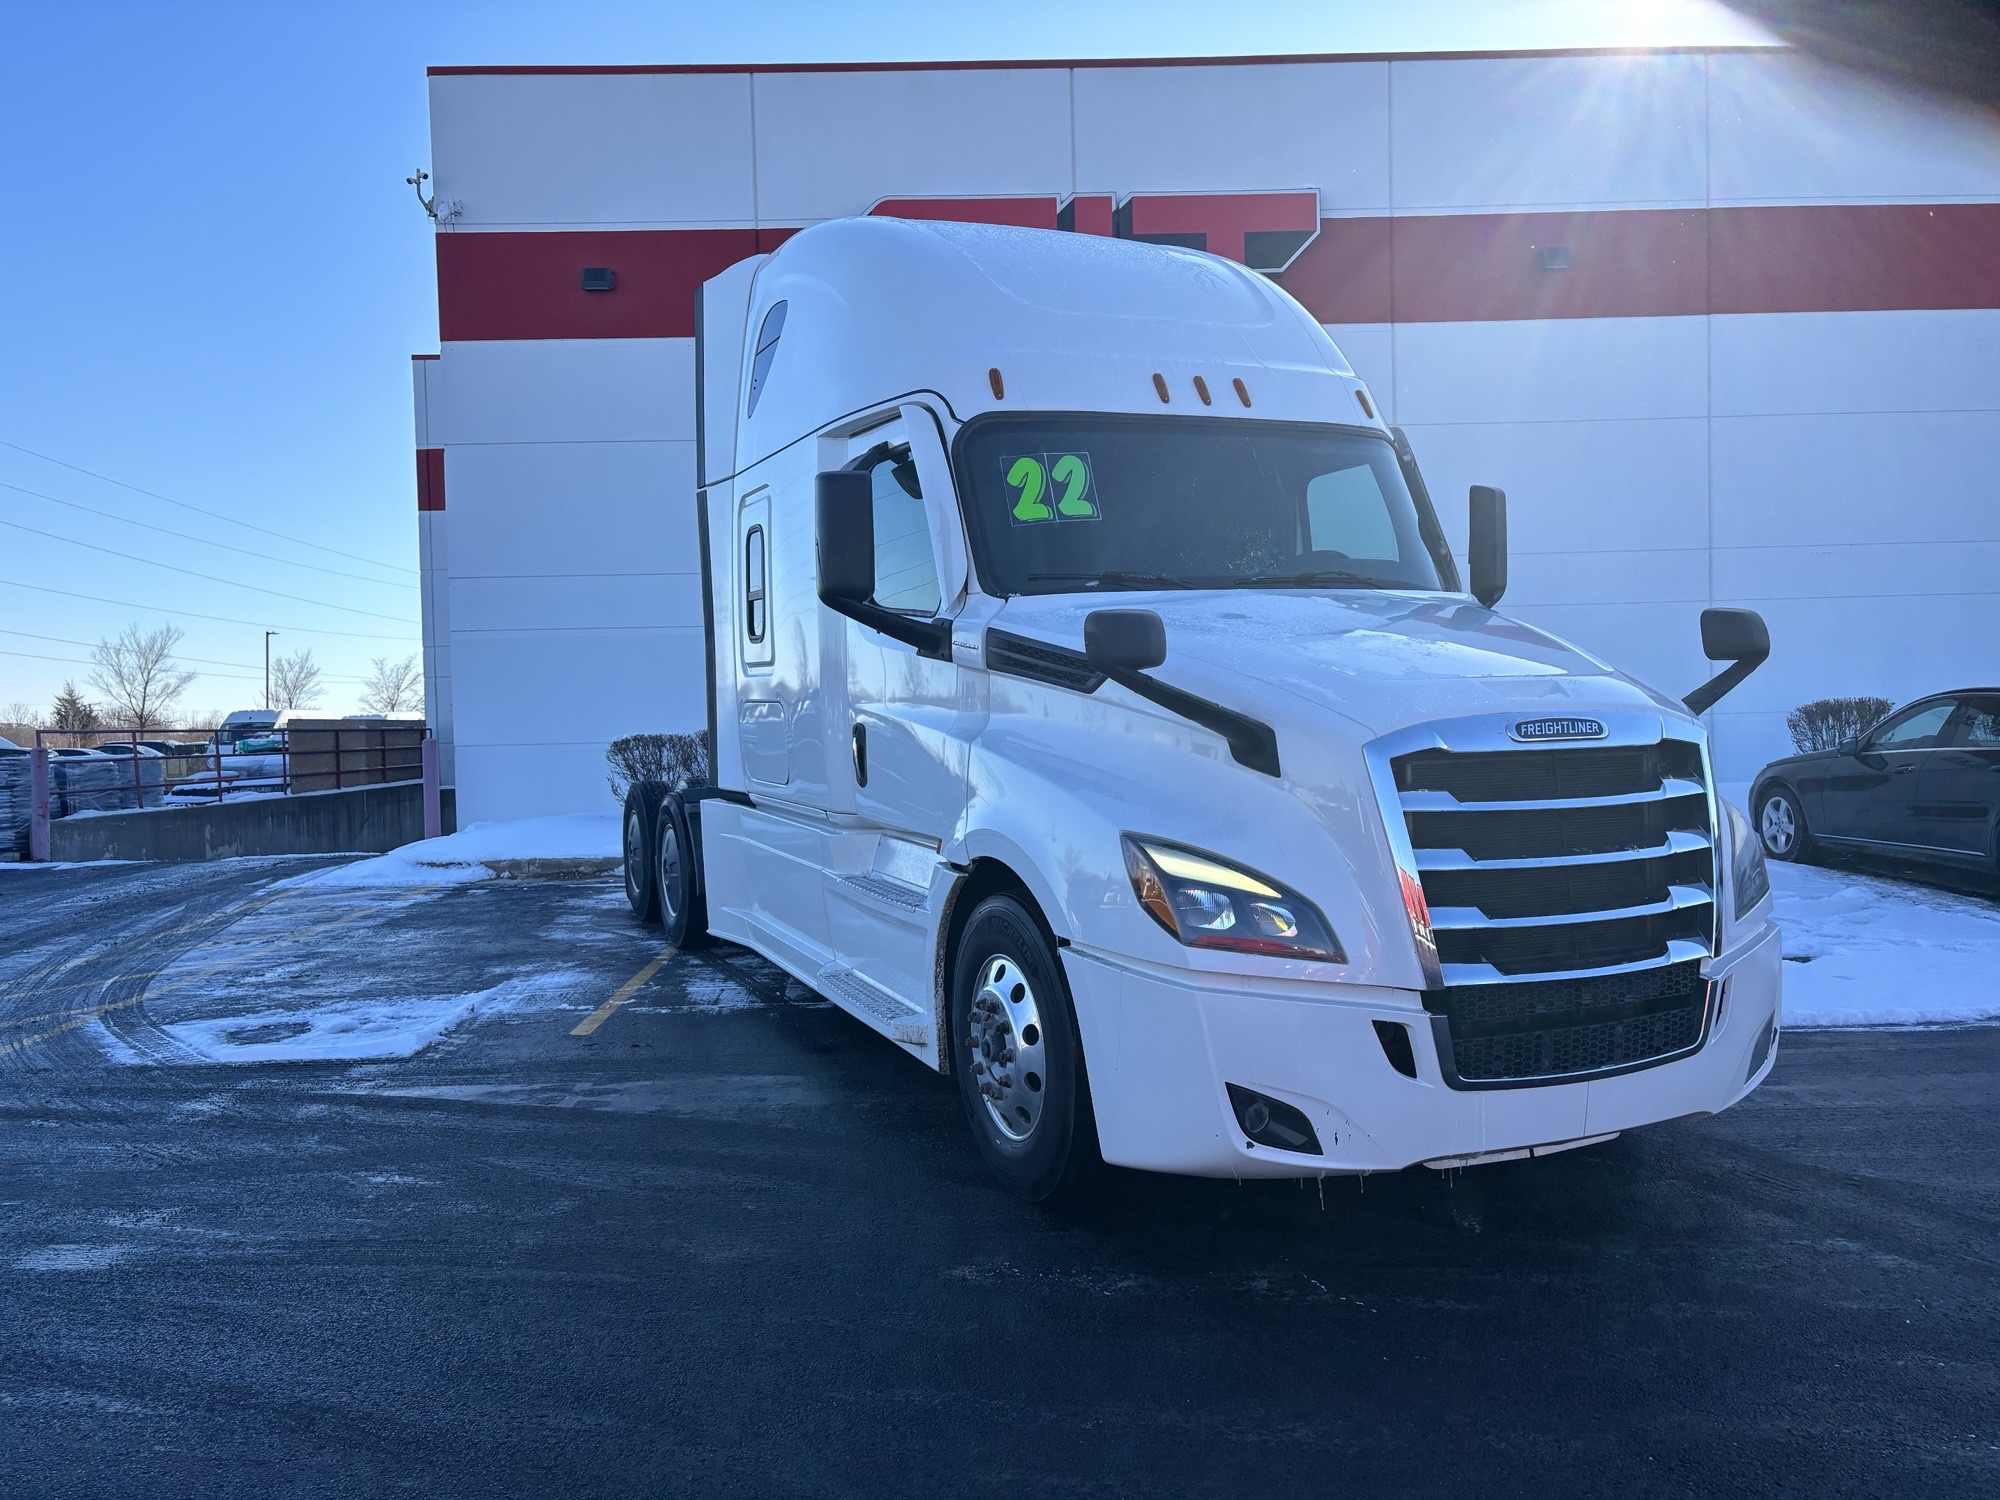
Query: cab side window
(1346, 513)
(905, 568)
(1918, 729)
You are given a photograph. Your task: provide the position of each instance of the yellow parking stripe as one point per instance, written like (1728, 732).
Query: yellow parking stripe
(626, 991)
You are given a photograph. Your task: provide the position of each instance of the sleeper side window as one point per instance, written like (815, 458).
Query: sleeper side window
(905, 566)
(767, 350)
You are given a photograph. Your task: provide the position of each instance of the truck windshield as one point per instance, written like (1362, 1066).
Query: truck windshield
(1057, 503)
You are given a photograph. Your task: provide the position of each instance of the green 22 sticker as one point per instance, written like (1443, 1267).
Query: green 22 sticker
(1034, 480)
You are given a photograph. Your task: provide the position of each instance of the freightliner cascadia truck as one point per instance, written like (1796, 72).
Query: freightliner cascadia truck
(1096, 712)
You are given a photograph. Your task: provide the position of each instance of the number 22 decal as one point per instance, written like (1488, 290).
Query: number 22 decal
(1027, 476)
(1028, 481)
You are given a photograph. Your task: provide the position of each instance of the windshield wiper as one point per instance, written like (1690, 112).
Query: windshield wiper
(1117, 579)
(1308, 580)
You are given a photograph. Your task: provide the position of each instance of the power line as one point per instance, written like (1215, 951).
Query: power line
(213, 514)
(79, 662)
(207, 661)
(195, 614)
(56, 536)
(187, 536)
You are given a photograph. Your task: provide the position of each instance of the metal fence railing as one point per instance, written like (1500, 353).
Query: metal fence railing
(72, 773)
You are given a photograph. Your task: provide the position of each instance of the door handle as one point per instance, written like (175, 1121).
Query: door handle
(1904, 770)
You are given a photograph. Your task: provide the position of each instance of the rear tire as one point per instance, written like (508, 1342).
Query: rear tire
(1781, 825)
(683, 895)
(1017, 1056)
(642, 889)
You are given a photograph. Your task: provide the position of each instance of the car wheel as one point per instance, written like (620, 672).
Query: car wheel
(1781, 825)
(1017, 1057)
(642, 803)
(683, 901)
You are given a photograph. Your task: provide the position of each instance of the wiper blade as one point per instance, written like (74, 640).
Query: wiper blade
(1117, 579)
(1336, 579)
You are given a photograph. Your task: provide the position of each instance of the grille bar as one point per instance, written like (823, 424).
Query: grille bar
(1459, 918)
(1678, 841)
(1668, 789)
(1679, 950)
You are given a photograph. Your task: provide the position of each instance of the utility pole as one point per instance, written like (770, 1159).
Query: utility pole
(267, 666)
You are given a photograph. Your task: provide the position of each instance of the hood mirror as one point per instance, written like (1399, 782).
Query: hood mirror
(1737, 636)
(1132, 640)
(1487, 554)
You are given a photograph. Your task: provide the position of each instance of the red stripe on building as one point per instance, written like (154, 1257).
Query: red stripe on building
(430, 479)
(1417, 269)
(1848, 258)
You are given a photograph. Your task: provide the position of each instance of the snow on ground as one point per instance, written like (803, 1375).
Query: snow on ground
(1862, 951)
(355, 1031)
(473, 853)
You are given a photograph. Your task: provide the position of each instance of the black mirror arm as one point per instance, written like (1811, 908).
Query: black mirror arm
(931, 638)
(1252, 742)
(1723, 683)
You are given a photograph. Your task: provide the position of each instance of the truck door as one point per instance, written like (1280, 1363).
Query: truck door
(1959, 787)
(908, 731)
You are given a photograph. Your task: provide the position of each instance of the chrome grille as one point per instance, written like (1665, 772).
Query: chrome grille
(1561, 886)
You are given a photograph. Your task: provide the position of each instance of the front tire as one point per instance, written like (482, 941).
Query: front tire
(1781, 825)
(1017, 1056)
(642, 889)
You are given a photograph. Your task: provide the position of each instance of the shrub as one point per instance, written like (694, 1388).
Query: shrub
(678, 761)
(1826, 723)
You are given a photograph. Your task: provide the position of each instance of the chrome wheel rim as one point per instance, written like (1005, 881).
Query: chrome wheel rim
(1778, 826)
(635, 853)
(669, 867)
(1004, 1033)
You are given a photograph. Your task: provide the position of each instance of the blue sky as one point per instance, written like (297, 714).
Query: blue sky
(212, 275)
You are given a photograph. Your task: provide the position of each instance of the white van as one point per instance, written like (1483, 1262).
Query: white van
(1098, 714)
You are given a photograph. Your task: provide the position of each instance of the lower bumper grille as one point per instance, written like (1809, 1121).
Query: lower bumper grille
(1494, 1035)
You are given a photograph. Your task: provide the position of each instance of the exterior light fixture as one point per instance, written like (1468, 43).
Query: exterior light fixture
(1555, 257)
(599, 279)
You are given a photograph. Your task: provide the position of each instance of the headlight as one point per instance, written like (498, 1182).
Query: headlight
(1205, 903)
(1749, 880)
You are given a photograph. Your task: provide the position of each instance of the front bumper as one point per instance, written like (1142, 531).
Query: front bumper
(1162, 1046)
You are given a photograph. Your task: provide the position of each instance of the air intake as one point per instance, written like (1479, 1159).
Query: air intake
(1395, 1040)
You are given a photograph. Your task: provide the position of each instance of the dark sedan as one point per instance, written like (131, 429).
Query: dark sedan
(1922, 784)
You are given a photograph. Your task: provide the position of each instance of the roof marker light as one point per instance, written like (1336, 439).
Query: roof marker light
(1201, 390)
(1242, 390)
(999, 386)
(1366, 410)
(1160, 385)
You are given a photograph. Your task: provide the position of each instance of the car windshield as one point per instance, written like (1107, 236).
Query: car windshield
(1057, 503)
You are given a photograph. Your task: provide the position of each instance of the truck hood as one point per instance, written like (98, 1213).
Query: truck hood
(1380, 660)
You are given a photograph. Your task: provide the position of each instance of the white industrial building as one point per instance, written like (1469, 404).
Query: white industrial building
(1724, 323)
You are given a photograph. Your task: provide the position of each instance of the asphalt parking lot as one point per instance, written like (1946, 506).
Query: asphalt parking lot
(727, 1242)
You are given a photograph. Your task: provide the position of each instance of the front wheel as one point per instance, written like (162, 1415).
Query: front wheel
(1781, 825)
(1016, 1054)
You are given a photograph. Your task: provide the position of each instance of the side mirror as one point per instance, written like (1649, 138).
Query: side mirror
(1737, 636)
(1488, 549)
(844, 528)
(1131, 639)
(844, 524)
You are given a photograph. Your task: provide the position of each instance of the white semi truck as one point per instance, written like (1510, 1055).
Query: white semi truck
(1097, 713)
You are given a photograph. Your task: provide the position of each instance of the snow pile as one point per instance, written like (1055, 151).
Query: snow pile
(482, 851)
(1866, 952)
(355, 1031)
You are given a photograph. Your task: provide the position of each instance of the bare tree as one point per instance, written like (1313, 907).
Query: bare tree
(295, 681)
(21, 715)
(137, 675)
(394, 687)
